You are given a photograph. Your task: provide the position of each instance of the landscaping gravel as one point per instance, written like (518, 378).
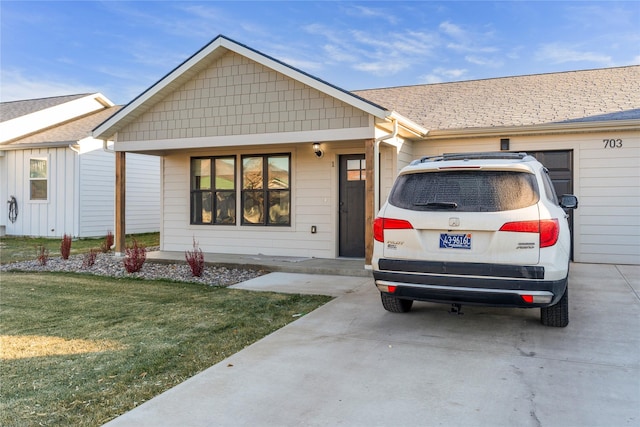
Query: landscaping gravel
(107, 264)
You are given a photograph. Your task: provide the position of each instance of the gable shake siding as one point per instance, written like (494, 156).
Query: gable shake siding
(237, 96)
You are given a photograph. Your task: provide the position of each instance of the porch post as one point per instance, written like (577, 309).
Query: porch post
(120, 201)
(369, 209)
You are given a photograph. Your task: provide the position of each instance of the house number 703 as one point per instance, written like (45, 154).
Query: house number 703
(612, 143)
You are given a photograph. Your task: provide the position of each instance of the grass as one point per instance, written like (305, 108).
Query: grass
(81, 350)
(14, 249)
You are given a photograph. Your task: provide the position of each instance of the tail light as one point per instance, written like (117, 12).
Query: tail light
(549, 230)
(381, 224)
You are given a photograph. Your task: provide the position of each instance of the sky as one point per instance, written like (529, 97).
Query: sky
(119, 48)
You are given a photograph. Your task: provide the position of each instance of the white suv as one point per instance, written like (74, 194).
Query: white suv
(475, 228)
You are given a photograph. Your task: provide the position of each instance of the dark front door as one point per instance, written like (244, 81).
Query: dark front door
(352, 194)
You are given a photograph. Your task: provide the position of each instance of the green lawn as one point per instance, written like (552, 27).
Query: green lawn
(81, 350)
(25, 248)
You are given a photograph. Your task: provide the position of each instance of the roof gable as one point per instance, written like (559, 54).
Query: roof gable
(34, 115)
(12, 109)
(203, 59)
(568, 97)
(63, 134)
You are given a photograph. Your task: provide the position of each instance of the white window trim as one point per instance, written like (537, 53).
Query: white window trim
(46, 158)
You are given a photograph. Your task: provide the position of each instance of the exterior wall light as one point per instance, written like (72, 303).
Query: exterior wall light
(316, 149)
(504, 144)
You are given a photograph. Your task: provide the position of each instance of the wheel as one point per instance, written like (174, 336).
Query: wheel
(556, 315)
(395, 305)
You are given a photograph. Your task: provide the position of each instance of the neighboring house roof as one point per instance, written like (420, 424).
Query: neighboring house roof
(205, 57)
(12, 109)
(65, 133)
(568, 97)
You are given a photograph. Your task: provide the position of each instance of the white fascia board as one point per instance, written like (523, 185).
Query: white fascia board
(110, 126)
(544, 129)
(247, 140)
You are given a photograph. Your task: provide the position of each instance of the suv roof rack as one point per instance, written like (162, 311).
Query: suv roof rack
(505, 155)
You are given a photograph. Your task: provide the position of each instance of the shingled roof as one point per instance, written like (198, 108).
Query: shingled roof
(65, 133)
(576, 96)
(12, 109)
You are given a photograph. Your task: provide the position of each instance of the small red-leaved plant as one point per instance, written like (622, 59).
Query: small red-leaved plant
(134, 257)
(108, 242)
(65, 246)
(195, 259)
(43, 254)
(89, 258)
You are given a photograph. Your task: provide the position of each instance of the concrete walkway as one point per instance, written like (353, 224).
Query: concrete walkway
(351, 363)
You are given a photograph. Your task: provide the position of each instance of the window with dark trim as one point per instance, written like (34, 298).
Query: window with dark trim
(266, 190)
(213, 190)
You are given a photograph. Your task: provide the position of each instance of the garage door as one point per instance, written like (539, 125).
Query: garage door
(560, 165)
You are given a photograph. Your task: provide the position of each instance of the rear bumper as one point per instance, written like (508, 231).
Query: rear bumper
(462, 283)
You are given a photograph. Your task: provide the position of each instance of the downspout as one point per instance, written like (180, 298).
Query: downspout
(76, 189)
(376, 164)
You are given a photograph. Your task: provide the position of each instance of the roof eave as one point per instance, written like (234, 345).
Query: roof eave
(543, 129)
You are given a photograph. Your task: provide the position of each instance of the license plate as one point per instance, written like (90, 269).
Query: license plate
(455, 241)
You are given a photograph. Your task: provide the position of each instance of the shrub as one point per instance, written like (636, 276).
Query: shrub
(195, 259)
(89, 258)
(43, 254)
(65, 246)
(108, 242)
(134, 257)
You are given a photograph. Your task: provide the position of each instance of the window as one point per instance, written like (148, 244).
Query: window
(38, 176)
(213, 190)
(356, 170)
(485, 191)
(266, 191)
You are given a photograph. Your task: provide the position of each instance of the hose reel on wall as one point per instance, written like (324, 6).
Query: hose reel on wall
(13, 209)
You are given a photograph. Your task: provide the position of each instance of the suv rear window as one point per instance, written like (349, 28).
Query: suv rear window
(465, 191)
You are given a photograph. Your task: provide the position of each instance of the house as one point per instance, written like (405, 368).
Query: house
(259, 157)
(59, 180)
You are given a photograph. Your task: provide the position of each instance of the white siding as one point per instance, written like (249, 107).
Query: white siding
(606, 181)
(314, 184)
(97, 191)
(143, 194)
(55, 216)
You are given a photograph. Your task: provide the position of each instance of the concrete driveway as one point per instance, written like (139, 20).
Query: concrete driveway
(351, 363)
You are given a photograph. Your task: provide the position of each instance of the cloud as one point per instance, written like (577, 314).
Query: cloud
(487, 62)
(369, 12)
(441, 74)
(16, 86)
(557, 53)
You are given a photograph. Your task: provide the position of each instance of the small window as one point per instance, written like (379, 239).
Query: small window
(213, 190)
(266, 190)
(356, 170)
(490, 191)
(38, 179)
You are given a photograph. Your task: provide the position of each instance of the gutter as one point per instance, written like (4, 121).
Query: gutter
(544, 129)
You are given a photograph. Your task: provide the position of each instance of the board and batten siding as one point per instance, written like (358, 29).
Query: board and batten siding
(314, 195)
(55, 216)
(606, 180)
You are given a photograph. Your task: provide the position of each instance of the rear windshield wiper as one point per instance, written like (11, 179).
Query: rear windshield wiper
(438, 205)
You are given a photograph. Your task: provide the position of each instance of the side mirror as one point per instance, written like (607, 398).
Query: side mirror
(569, 201)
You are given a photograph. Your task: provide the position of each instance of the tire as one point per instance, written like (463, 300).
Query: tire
(556, 315)
(395, 305)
